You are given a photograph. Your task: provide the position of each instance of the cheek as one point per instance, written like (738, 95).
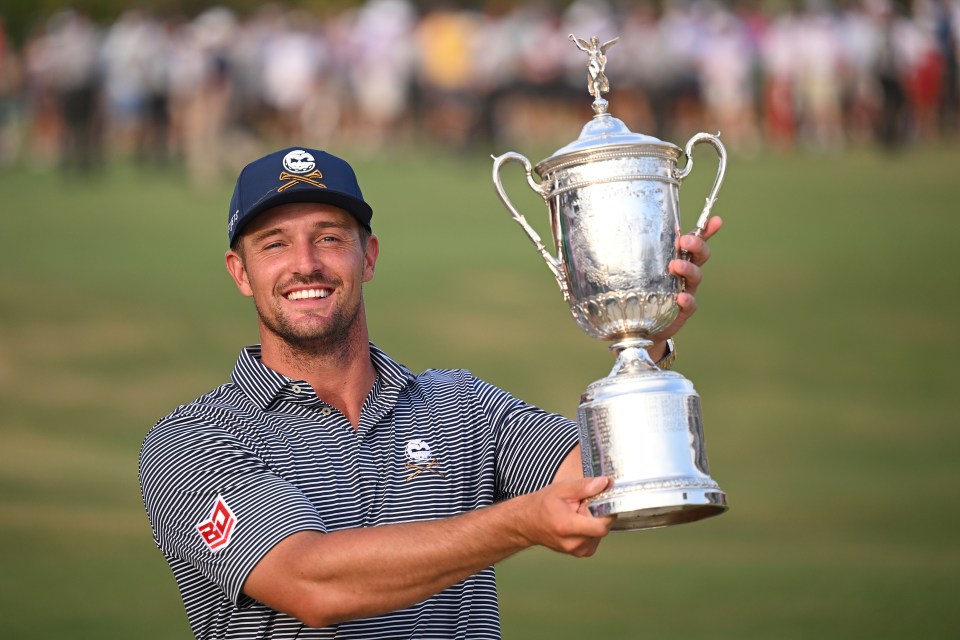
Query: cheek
(260, 282)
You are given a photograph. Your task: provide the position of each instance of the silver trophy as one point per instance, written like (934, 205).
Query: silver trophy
(613, 202)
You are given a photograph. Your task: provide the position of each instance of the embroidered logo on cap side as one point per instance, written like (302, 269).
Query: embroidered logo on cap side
(216, 530)
(419, 459)
(299, 166)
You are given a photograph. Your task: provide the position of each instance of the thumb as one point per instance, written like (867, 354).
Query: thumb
(588, 487)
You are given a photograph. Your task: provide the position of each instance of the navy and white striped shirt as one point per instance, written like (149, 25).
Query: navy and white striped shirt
(228, 476)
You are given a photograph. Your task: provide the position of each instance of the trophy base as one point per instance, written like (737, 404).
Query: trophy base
(638, 507)
(643, 427)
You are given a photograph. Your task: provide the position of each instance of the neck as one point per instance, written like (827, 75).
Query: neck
(341, 376)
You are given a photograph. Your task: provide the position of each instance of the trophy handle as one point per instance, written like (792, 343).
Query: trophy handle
(552, 262)
(714, 141)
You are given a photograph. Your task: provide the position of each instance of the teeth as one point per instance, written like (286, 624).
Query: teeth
(309, 293)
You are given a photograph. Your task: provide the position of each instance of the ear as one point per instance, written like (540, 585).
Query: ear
(238, 272)
(371, 253)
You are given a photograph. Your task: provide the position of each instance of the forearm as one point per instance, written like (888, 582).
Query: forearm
(326, 578)
(358, 573)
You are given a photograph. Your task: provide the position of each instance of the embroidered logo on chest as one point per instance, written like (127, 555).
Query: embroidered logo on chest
(217, 529)
(419, 460)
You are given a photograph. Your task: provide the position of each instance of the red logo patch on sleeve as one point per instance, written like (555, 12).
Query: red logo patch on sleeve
(216, 530)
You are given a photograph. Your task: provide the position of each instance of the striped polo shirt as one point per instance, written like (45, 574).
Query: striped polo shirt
(257, 459)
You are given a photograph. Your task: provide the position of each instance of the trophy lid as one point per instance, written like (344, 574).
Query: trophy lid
(604, 136)
(603, 132)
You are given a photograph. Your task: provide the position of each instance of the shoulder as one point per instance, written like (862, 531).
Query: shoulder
(462, 385)
(214, 412)
(450, 381)
(446, 385)
(444, 376)
(209, 437)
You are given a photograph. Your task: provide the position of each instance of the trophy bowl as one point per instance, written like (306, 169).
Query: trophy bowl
(615, 211)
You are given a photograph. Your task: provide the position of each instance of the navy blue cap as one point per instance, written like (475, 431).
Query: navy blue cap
(296, 174)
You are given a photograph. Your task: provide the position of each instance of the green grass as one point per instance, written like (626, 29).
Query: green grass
(825, 352)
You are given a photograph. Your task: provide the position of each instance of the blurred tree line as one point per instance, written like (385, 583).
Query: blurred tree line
(20, 17)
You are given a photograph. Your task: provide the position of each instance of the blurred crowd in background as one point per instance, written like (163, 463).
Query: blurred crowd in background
(196, 89)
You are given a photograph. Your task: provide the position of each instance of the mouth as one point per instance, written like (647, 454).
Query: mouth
(305, 294)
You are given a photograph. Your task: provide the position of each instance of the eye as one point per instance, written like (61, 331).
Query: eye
(272, 246)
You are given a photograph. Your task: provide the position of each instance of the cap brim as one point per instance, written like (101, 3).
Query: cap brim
(359, 209)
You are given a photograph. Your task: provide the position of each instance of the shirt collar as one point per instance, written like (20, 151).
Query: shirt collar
(262, 384)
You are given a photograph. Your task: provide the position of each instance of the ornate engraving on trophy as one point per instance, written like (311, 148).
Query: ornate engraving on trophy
(624, 313)
(666, 483)
(612, 198)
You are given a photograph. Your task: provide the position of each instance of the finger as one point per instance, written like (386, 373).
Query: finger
(687, 304)
(697, 248)
(590, 528)
(584, 510)
(587, 549)
(588, 487)
(713, 225)
(689, 271)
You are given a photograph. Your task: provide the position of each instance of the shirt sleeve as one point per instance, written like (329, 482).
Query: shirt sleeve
(531, 443)
(213, 503)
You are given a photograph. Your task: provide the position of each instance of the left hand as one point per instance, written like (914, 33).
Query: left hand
(691, 271)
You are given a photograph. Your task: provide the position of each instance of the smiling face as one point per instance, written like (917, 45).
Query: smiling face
(304, 265)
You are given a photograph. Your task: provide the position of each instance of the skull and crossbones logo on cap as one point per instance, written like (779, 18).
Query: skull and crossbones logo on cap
(299, 166)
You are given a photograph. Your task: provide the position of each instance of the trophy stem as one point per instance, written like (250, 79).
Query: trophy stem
(632, 356)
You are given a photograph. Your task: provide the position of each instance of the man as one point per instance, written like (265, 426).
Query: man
(327, 491)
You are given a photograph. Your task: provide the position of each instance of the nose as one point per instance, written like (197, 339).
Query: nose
(306, 259)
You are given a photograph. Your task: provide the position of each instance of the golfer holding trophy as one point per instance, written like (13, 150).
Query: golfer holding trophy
(613, 203)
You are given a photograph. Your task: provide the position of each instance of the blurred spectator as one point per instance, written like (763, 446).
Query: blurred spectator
(381, 67)
(73, 76)
(682, 29)
(153, 143)
(291, 58)
(202, 89)
(447, 42)
(646, 63)
(726, 74)
(780, 58)
(10, 88)
(821, 69)
(891, 68)
(933, 88)
(861, 35)
(126, 62)
(946, 32)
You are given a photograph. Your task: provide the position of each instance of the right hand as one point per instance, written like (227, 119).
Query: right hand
(557, 517)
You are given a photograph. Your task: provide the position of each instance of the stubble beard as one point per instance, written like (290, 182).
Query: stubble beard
(335, 337)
